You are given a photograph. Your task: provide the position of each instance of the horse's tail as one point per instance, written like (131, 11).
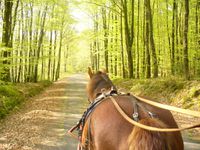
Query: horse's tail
(141, 139)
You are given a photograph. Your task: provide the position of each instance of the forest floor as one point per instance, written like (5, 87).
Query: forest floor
(42, 121)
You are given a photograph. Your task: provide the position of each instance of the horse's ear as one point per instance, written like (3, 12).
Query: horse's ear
(104, 71)
(90, 72)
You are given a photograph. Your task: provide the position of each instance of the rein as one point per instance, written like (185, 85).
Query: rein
(168, 107)
(150, 128)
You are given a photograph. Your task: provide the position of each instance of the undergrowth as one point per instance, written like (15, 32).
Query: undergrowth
(185, 94)
(12, 95)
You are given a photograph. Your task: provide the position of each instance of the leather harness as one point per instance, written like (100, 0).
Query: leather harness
(102, 96)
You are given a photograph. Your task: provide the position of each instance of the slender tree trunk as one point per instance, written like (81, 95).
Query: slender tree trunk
(148, 62)
(167, 25)
(31, 59)
(43, 65)
(50, 54)
(112, 42)
(177, 60)
(91, 56)
(181, 28)
(40, 44)
(105, 27)
(144, 65)
(151, 34)
(54, 56)
(185, 41)
(12, 31)
(129, 34)
(122, 45)
(66, 58)
(27, 51)
(95, 45)
(6, 38)
(197, 32)
(21, 67)
(59, 55)
(116, 46)
(138, 36)
(173, 39)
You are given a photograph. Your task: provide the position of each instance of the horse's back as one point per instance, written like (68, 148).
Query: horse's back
(111, 131)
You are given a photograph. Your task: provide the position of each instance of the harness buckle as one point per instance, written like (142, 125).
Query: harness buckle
(136, 116)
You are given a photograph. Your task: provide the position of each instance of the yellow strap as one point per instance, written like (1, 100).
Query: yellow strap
(145, 126)
(168, 107)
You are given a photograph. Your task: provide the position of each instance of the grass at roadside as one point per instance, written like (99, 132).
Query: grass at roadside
(12, 95)
(178, 92)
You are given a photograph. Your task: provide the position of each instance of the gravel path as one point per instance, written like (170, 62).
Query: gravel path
(43, 121)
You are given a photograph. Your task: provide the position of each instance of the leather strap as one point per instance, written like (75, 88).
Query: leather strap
(168, 107)
(135, 123)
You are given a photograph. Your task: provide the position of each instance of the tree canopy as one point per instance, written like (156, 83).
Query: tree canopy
(129, 38)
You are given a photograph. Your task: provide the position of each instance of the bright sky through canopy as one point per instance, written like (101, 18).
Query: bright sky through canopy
(84, 22)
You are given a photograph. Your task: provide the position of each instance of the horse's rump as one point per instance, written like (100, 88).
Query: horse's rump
(141, 139)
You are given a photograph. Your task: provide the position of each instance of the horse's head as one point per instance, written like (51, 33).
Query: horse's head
(98, 83)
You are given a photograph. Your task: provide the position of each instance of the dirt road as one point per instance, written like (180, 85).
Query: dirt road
(42, 122)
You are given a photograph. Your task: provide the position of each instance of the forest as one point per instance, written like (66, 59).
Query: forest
(147, 39)
(129, 38)
(149, 48)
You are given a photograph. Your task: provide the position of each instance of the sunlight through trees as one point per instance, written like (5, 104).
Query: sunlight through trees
(129, 38)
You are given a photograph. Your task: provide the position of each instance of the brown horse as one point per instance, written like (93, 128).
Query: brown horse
(106, 129)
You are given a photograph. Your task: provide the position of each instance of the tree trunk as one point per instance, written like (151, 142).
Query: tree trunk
(40, 44)
(167, 26)
(154, 56)
(6, 38)
(129, 34)
(54, 56)
(59, 55)
(12, 31)
(122, 45)
(50, 55)
(197, 32)
(148, 62)
(31, 59)
(173, 39)
(105, 30)
(185, 41)
(144, 43)
(138, 36)
(116, 47)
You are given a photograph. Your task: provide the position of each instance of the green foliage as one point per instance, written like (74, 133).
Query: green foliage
(150, 86)
(9, 90)
(176, 91)
(45, 83)
(9, 98)
(12, 95)
(34, 90)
